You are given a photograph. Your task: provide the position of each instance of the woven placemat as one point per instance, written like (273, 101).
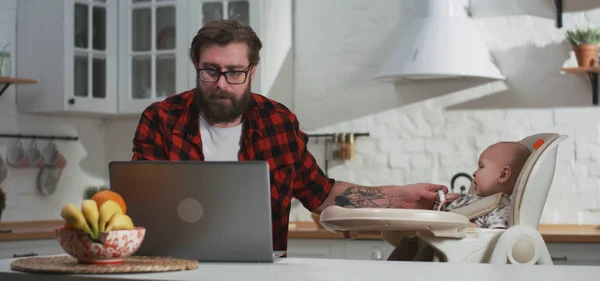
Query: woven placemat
(134, 264)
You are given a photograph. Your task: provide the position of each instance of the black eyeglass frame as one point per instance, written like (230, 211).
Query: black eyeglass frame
(220, 73)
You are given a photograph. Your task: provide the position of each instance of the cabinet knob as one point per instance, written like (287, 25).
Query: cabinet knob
(559, 258)
(71, 101)
(25, 255)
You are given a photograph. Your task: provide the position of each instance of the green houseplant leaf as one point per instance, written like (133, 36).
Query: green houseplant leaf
(583, 36)
(91, 190)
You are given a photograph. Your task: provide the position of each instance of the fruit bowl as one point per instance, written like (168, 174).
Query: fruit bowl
(112, 247)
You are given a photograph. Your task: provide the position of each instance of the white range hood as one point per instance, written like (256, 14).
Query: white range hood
(441, 43)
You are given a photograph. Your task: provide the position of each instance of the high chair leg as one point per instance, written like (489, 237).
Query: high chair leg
(475, 248)
(351, 234)
(394, 237)
(406, 250)
(521, 244)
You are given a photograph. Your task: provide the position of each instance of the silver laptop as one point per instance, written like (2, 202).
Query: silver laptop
(205, 211)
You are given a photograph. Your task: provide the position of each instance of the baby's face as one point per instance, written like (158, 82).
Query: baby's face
(486, 178)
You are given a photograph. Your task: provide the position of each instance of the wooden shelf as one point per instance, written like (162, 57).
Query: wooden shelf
(7, 81)
(594, 69)
(592, 72)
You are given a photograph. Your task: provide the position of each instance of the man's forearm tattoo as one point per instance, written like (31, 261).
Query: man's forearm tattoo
(363, 197)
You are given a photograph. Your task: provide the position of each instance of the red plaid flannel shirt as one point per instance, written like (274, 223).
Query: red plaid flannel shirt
(169, 130)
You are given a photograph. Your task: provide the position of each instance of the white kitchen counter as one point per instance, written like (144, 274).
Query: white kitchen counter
(298, 269)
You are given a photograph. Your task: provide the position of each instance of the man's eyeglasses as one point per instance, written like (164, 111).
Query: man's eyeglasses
(212, 75)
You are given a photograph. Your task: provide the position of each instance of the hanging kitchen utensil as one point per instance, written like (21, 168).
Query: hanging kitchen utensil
(463, 189)
(343, 147)
(336, 150)
(3, 169)
(48, 179)
(350, 146)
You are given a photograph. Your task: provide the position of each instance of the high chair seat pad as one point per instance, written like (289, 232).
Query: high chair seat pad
(337, 219)
(480, 207)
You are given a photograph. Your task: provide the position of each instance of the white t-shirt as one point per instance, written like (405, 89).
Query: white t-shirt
(220, 144)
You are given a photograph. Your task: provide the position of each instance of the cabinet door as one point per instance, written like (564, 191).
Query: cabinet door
(153, 58)
(368, 249)
(575, 253)
(91, 56)
(315, 248)
(248, 12)
(25, 248)
(70, 47)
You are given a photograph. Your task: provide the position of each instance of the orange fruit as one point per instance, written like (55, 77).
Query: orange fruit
(106, 195)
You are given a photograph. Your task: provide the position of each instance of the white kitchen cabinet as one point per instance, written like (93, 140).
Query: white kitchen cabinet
(561, 253)
(339, 249)
(249, 12)
(70, 47)
(153, 44)
(316, 248)
(155, 38)
(109, 57)
(25, 248)
(367, 249)
(575, 253)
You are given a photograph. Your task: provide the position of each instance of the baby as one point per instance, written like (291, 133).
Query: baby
(499, 166)
(498, 169)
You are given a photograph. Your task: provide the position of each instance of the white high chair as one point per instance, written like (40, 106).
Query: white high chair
(446, 237)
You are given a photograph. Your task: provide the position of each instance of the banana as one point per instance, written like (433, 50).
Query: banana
(89, 208)
(75, 218)
(119, 222)
(107, 210)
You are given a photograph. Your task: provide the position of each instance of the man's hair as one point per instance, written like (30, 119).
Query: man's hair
(224, 32)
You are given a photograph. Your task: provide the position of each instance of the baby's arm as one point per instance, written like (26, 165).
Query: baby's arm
(457, 203)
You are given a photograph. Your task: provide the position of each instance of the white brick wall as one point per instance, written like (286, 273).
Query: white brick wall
(341, 44)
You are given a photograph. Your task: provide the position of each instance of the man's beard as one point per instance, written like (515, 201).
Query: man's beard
(215, 110)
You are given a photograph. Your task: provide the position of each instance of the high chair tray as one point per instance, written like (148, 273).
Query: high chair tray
(337, 219)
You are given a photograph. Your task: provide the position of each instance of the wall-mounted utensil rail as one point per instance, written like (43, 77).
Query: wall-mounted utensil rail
(332, 135)
(345, 140)
(39, 137)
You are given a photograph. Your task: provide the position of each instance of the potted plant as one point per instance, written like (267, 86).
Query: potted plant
(91, 190)
(584, 42)
(2, 201)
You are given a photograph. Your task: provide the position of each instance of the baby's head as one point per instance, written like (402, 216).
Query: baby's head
(499, 166)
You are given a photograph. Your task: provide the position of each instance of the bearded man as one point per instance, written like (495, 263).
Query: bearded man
(222, 120)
